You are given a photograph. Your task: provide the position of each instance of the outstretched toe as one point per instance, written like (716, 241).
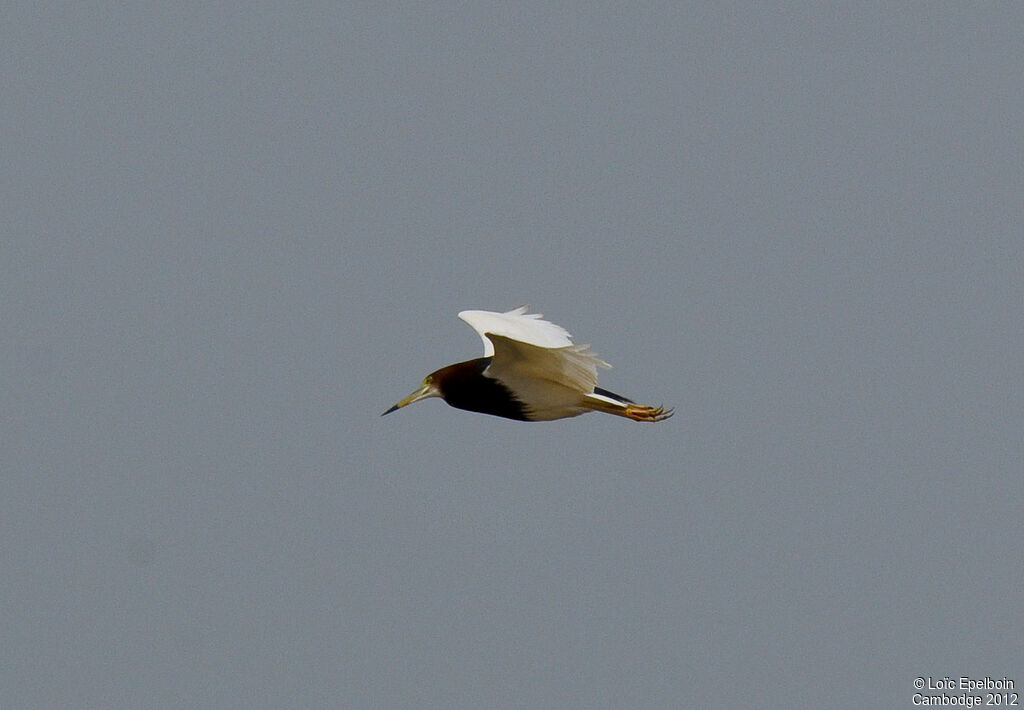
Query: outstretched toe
(644, 413)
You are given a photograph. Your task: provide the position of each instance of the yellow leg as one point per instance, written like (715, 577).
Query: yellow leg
(644, 413)
(636, 412)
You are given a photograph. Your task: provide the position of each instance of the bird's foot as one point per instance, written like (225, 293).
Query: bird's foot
(644, 413)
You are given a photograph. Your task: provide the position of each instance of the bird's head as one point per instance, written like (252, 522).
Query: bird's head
(429, 388)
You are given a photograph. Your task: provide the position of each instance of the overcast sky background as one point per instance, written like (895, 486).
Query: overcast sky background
(233, 235)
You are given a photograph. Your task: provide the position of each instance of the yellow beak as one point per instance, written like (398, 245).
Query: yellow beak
(426, 390)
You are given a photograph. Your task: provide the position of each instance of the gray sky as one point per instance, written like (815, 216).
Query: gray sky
(232, 237)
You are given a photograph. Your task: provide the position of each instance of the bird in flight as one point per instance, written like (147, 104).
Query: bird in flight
(530, 371)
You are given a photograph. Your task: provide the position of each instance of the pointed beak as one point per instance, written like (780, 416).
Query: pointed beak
(427, 389)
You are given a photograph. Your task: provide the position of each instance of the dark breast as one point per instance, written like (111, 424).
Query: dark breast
(464, 386)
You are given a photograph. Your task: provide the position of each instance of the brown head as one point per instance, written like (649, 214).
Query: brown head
(464, 386)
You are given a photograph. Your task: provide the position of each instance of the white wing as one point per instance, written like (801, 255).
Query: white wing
(523, 366)
(538, 362)
(518, 325)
